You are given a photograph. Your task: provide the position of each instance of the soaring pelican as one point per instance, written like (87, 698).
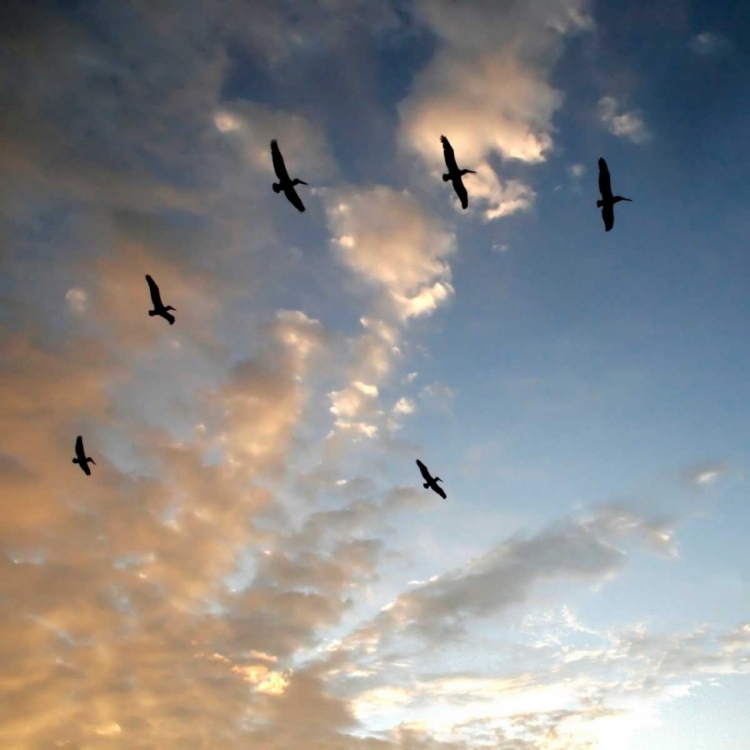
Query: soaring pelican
(285, 183)
(430, 482)
(159, 308)
(454, 173)
(607, 203)
(81, 458)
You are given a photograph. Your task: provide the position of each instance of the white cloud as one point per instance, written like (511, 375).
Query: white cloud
(404, 406)
(499, 199)
(487, 88)
(628, 125)
(355, 401)
(386, 238)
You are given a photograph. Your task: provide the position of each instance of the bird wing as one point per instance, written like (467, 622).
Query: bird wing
(605, 184)
(155, 295)
(79, 447)
(450, 157)
(278, 161)
(440, 491)
(460, 188)
(425, 472)
(608, 215)
(294, 199)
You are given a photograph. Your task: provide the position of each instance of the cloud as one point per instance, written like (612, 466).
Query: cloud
(628, 125)
(77, 299)
(252, 126)
(487, 89)
(386, 238)
(505, 577)
(500, 199)
(404, 406)
(708, 43)
(438, 394)
(263, 398)
(577, 171)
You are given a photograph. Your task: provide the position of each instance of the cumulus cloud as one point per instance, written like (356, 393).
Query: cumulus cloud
(262, 400)
(622, 123)
(190, 592)
(386, 238)
(489, 79)
(500, 199)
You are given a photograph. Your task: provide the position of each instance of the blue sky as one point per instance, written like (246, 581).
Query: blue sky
(253, 561)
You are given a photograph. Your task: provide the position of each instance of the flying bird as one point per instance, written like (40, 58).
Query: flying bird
(285, 183)
(430, 482)
(454, 173)
(607, 203)
(81, 458)
(159, 308)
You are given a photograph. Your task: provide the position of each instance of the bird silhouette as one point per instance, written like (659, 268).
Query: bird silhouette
(285, 183)
(159, 308)
(81, 458)
(607, 203)
(430, 482)
(454, 173)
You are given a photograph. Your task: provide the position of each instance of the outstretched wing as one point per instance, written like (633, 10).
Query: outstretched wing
(608, 215)
(440, 491)
(450, 157)
(278, 161)
(155, 295)
(460, 188)
(294, 199)
(425, 473)
(605, 184)
(79, 446)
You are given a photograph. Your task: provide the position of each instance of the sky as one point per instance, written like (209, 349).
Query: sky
(254, 561)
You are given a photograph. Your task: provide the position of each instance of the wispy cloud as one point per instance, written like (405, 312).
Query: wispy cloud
(622, 123)
(708, 43)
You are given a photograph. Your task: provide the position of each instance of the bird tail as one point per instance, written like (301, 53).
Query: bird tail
(276, 187)
(446, 177)
(426, 485)
(599, 204)
(75, 460)
(152, 313)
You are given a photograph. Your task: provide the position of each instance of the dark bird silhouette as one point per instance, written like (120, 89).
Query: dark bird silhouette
(454, 173)
(159, 308)
(607, 203)
(81, 458)
(430, 482)
(285, 183)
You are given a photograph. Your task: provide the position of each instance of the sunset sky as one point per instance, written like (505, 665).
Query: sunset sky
(254, 562)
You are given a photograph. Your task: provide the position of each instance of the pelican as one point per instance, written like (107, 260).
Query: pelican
(454, 173)
(285, 183)
(159, 308)
(607, 203)
(429, 481)
(81, 458)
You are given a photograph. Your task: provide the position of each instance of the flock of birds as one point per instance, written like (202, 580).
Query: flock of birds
(287, 185)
